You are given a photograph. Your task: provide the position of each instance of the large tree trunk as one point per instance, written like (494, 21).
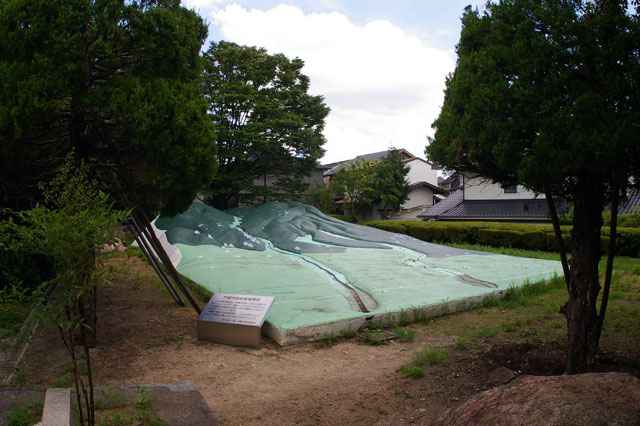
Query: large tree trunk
(584, 286)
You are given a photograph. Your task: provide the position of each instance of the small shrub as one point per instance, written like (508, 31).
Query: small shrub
(25, 414)
(347, 333)
(463, 342)
(510, 326)
(430, 356)
(411, 371)
(488, 332)
(115, 419)
(374, 337)
(405, 334)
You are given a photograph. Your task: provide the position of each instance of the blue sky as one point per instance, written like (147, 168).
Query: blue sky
(381, 65)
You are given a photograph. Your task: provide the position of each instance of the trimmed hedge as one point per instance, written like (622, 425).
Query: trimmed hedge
(499, 234)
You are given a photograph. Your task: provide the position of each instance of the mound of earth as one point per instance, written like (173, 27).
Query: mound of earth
(581, 400)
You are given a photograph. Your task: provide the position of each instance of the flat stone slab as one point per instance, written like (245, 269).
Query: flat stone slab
(178, 404)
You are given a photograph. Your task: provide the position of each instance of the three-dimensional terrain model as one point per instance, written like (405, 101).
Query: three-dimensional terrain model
(328, 275)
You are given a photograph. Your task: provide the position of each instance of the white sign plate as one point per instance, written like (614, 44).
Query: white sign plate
(237, 309)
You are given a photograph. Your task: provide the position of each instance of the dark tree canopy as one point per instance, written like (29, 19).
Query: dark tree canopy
(269, 129)
(545, 93)
(116, 81)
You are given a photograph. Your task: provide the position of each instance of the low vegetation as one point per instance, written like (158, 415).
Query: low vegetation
(500, 234)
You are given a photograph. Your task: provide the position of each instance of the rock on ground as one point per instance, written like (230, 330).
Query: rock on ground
(582, 399)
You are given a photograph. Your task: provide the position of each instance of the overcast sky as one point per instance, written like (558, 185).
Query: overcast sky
(380, 64)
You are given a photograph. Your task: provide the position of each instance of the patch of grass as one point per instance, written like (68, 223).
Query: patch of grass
(488, 332)
(430, 356)
(115, 419)
(411, 371)
(510, 326)
(20, 376)
(374, 336)
(347, 333)
(462, 342)
(404, 318)
(524, 294)
(329, 340)
(197, 290)
(25, 414)
(405, 334)
(145, 412)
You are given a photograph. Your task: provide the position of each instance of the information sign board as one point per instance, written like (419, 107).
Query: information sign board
(234, 319)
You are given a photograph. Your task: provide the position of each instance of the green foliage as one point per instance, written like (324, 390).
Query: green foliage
(430, 356)
(115, 419)
(391, 186)
(117, 81)
(356, 182)
(362, 183)
(25, 414)
(499, 238)
(321, 197)
(269, 129)
(375, 337)
(347, 333)
(462, 342)
(545, 94)
(488, 332)
(405, 334)
(71, 236)
(411, 371)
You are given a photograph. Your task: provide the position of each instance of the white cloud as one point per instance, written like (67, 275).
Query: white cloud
(201, 4)
(383, 86)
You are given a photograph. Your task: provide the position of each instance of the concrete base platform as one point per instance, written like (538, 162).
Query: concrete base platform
(312, 333)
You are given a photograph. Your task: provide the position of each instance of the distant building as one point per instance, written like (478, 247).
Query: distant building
(477, 198)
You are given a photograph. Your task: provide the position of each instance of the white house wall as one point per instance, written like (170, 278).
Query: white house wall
(419, 196)
(478, 188)
(421, 171)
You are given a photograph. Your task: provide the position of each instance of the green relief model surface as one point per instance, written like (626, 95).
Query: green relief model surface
(321, 269)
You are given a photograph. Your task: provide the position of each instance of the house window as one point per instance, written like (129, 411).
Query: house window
(511, 189)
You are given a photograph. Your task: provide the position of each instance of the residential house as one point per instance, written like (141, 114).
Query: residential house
(477, 198)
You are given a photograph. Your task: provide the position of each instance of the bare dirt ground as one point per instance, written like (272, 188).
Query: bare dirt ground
(143, 337)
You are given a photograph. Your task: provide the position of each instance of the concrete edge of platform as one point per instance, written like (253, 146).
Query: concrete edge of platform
(312, 333)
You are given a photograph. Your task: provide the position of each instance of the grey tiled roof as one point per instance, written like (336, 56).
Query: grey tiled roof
(335, 167)
(455, 198)
(455, 207)
(633, 200)
(496, 209)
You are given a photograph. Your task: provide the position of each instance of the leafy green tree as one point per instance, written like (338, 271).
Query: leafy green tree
(322, 197)
(119, 82)
(545, 93)
(269, 129)
(70, 235)
(391, 185)
(356, 183)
